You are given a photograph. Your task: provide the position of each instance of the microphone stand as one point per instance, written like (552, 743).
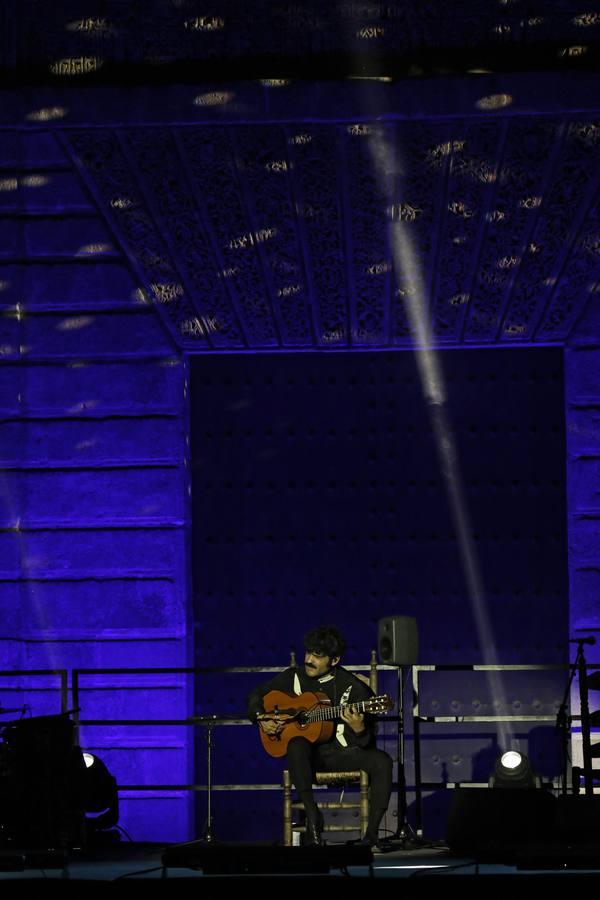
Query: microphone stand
(209, 722)
(588, 778)
(207, 835)
(563, 722)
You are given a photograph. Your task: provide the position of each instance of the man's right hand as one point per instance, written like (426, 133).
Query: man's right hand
(270, 724)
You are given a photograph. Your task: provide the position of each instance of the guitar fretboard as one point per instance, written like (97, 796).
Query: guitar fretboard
(323, 712)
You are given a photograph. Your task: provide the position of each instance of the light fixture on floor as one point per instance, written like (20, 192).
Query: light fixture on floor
(513, 770)
(99, 794)
(39, 784)
(498, 824)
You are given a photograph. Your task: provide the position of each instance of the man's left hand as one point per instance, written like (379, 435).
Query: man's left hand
(354, 719)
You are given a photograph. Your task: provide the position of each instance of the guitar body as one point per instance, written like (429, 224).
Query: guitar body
(289, 706)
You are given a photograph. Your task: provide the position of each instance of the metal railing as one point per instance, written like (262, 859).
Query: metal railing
(195, 721)
(70, 688)
(419, 719)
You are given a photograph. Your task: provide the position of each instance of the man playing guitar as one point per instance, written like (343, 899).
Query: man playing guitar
(348, 746)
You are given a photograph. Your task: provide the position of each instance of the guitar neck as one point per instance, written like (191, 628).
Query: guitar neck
(324, 712)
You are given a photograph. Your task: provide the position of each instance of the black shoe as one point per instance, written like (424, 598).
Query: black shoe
(382, 845)
(314, 827)
(368, 840)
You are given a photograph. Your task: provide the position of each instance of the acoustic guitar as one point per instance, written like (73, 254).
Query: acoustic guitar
(309, 715)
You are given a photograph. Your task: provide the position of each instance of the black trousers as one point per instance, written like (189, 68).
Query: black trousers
(305, 758)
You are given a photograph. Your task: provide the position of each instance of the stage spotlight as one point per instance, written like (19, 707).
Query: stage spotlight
(500, 823)
(40, 779)
(99, 794)
(513, 770)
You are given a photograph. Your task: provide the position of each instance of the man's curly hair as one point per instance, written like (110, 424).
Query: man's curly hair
(325, 639)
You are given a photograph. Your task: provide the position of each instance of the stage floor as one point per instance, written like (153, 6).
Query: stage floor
(187, 869)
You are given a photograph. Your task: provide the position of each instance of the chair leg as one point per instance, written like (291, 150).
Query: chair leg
(364, 802)
(287, 809)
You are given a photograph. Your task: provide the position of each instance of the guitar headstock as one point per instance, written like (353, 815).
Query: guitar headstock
(381, 704)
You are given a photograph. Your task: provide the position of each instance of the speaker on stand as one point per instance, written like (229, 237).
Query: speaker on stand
(398, 644)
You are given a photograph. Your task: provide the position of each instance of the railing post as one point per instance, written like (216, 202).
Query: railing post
(75, 699)
(373, 680)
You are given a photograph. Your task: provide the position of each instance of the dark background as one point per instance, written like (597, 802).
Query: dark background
(318, 497)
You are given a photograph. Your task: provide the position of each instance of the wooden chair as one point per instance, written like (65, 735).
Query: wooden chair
(339, 780)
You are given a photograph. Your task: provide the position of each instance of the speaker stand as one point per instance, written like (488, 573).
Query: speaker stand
(405, 837)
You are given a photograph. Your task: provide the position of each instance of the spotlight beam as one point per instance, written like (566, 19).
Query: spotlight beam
(406, 268)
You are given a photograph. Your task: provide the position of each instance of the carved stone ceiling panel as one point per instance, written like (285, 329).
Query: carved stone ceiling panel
(356, 235)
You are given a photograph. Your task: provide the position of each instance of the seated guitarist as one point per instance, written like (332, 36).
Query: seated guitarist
(352, 745)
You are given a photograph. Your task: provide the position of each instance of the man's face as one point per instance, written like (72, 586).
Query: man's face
(317, 664)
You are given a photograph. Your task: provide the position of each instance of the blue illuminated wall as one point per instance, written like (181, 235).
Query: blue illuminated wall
(93, 485)
(317, 496)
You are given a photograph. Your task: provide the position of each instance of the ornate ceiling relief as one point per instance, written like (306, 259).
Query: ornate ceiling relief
(510, 219)
(354, 234)
(368, 200)
(580, 274)
(472, 168)
(315, 161)
(104, 166)
(563, 206)
(420, 173)
(178, 214)
(264, 165)
(215, 178)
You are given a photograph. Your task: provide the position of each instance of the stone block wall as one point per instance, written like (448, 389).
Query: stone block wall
(93, 483)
